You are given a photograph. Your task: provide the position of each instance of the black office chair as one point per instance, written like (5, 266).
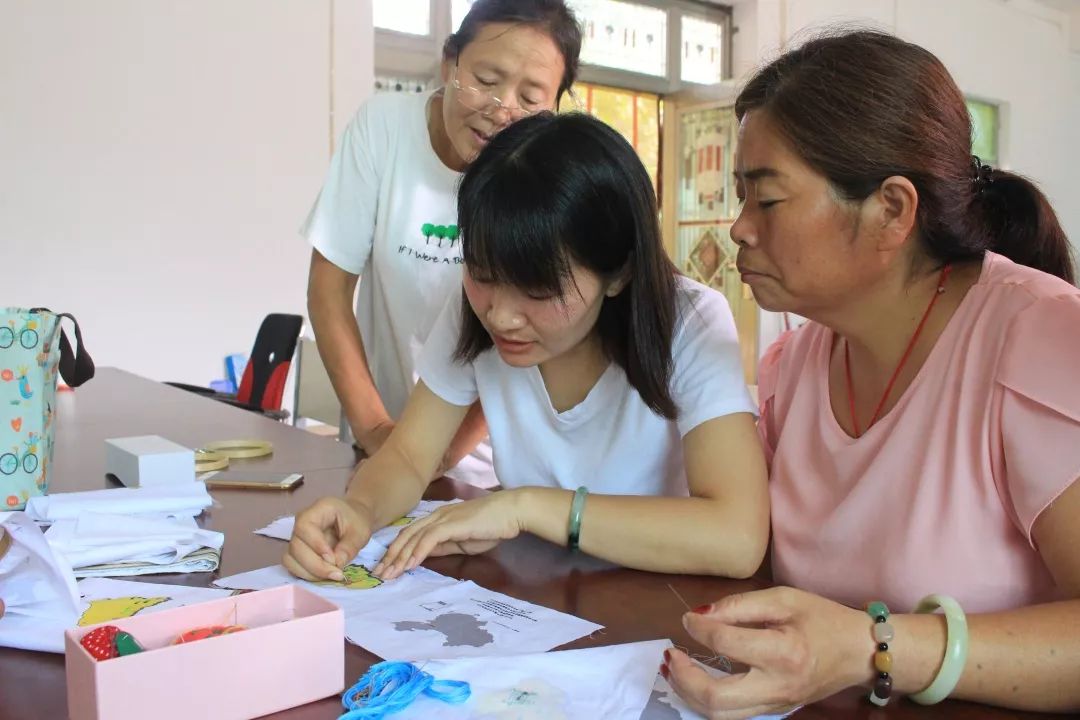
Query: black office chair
(263, 384)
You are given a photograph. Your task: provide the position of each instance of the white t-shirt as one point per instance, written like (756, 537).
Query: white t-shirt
(611, 442)
(384, 190)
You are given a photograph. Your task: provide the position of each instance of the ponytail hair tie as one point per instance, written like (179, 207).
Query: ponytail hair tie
(982, 175)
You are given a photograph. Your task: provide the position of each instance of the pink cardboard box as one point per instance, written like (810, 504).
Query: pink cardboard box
(292, 653)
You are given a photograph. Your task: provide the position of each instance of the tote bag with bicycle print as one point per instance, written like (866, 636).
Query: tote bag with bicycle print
(33, 348)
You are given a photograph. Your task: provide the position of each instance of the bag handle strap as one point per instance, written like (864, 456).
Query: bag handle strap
(75, 367)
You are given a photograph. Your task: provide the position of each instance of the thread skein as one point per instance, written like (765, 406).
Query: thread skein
(389, 687)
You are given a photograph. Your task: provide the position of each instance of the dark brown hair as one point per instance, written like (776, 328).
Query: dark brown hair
(550, 16)
(861, 106)
(550, 191)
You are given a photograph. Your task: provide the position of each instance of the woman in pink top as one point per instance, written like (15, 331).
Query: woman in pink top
(923, 429)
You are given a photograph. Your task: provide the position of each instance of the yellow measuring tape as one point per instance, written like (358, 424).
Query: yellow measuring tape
(216, 455)
(236, 449)
(206, 461)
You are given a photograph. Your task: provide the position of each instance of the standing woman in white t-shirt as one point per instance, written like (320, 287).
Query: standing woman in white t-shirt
(387, 211)
(613, 386)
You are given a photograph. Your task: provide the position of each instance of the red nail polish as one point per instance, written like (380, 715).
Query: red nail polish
(667, 657)
(703, 610)
(664, 672)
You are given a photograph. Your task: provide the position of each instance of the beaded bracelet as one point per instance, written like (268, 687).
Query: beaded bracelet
(883, 635)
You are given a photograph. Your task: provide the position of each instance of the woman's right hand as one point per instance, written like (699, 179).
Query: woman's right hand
(798, 648)
(326, 536)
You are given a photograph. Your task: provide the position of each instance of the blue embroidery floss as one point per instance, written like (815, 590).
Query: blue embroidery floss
(389, 687)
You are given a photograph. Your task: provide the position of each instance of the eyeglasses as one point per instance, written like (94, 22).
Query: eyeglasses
(485, 102)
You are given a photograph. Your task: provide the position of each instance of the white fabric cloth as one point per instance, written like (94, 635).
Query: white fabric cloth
(38, 589)
(42, 599)
(98, 539)
(385, 183)
(612, 682)
(611, 442)
(186, 500)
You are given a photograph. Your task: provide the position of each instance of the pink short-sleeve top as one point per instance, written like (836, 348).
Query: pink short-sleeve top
(940, 495)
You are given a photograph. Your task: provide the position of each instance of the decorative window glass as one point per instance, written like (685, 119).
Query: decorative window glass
(705, 209)
(412, 17)
(635, 115)
(702, 51)
(984, 130)
(386, 84)
(624, 42)
(623, 35)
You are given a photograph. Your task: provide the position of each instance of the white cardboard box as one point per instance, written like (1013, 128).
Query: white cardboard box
(149, 461)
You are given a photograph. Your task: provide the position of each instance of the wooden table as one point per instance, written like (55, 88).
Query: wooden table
(632, 605)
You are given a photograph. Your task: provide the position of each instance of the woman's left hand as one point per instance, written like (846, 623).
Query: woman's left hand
(469, 527)
(799, 648)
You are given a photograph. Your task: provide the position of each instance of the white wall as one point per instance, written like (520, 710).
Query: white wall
(157, 158)
(1014, 52)
(1069, 211)
(1017, 54)
(1072, 208)
(353, 66)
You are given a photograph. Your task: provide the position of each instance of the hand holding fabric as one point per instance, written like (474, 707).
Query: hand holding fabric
(799, 648)
(325, 537)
